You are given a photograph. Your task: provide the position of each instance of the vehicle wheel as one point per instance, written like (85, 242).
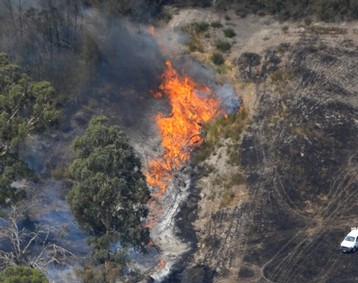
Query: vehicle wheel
(354, 250)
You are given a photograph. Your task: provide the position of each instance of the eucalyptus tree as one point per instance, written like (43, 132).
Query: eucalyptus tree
(26, 107)
(109, 196)
(22, 274)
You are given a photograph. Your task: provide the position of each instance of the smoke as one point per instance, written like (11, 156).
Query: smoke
(111, 69)
(130, 56)
(126, 69)
(89, 55)
(229, 100)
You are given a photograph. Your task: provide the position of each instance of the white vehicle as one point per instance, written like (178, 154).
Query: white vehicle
(350, 242)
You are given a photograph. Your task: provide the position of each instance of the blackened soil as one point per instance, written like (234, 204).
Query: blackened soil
(301, 162)
(300, 154)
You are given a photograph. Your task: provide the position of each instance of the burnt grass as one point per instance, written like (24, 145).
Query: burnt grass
(301, 163)
(300, 154)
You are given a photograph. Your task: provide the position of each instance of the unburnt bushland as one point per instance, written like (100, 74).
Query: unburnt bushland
(22, 274)
(109, 194)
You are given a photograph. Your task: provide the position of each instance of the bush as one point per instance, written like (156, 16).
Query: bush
(285, 29)
(227, 198)
(200, 27)
(223, 127)
(194, 30)
(216, 24)
(22, 274)
(223, 46)
(195, 45)
(217, 59)
(229, 32)
(308, 22)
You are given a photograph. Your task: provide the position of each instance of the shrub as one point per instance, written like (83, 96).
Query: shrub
(229, 32)
(227, 198)
(216, 24)
(285, 29)
(223, 127)
(223, 46)
(200, 27)
(22, 274)
(308, 21)
(195, 45)
(217, 59)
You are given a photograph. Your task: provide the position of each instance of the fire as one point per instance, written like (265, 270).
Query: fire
(161, 264)
(192, 105)
(152, 30)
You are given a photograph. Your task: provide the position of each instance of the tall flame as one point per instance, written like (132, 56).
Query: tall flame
(192, 105)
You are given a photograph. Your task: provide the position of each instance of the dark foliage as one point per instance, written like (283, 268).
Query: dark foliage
(110, 194)
(26, 107)
(217, 58)
(193, 3)
(22, 274)
(229, 32)
(223, 46)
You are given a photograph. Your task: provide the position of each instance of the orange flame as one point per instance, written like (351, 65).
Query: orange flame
(161, 264)
(192, 105)
(152, 30)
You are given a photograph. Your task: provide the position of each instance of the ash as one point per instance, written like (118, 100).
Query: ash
(158, 263)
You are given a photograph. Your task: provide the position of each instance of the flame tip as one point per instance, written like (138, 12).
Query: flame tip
(193, 104)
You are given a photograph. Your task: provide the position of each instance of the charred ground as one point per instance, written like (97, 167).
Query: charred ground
(299, 157)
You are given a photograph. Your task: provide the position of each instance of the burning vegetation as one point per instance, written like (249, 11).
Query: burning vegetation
(193, 104)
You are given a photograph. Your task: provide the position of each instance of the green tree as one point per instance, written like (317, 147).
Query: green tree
(22, 274)
(26, 107)
(110, 193)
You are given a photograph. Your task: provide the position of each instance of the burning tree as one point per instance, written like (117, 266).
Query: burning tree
(109, 195)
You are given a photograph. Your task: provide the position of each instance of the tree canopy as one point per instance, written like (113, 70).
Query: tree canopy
(26, 107)
(110, 193)
(22, 274)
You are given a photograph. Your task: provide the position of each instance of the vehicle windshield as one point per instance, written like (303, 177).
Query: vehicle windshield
(349, 239)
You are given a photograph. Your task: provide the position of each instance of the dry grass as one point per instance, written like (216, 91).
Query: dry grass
(229, 127)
